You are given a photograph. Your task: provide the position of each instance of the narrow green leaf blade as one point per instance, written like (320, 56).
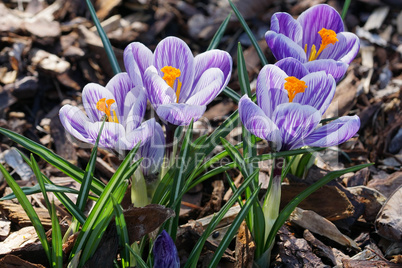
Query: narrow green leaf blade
(105, 40)
(89, 173)
(288, 209)
(57, 244)
(122, 232)
(55, 160)
(219, 33)
(260, 53)
(26, 205)
(233, 229)
(139, 260)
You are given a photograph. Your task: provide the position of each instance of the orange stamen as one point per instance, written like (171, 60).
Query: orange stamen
(328, 37)
(104, 105)
(170, 76)
(294, 86)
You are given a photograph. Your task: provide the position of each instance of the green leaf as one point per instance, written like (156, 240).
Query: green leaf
(99, 210)
(233, 229)
(41, 183)
(48, 188)
(122, 233)
(26, 205)
(260, 54)
(58, 191)
(138, 259)
(345, 8)
(242, 70)
(55, 160)
(264, 157)
(57, 244)
(105, 40)
(212, 173)
(288, 209)
(195, 253)
(219, 33)
(231, 94)
(178, 183)
(89, 173)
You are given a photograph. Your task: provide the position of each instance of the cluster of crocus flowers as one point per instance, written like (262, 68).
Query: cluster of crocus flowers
(178, 85)
(316, 38)
(289, 109)
(123, 104)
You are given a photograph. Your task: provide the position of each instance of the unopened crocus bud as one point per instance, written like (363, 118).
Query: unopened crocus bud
(165, 252)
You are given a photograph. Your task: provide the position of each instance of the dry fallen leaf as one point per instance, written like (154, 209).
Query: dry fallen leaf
(389, 219)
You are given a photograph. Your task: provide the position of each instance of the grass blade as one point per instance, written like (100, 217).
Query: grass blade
(261, 55)
(89, 173)
(288, 209)
(231, 94)
(138, 259)
(104, 198)
(58, 191)
(178, 183)
(345, 8)
(26, 205)
(105, 40)
(219, 33)
(41, 183)
(122, 233)
(195, 253)
(57, 244)
(55, 160)
(233, 229)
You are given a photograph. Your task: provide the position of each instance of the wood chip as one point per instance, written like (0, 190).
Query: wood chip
(376, 18)
(389, 219)
(319, 225)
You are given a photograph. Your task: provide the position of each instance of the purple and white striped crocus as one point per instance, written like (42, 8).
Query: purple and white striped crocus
(178, 85)
(316, 38)
(124, 106)
(289, 109)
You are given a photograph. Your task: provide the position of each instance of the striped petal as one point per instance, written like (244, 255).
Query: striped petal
(158, 91)
(110, 136)
(141, 134)
(153, 151)
(314, 19)
(293, 67)
(180, 114)
(345, 50)
(208, 87)
(283, 47)
(119, 86)
(295, 122)
(74, 121)
(333, 133)
(284, 23)
(137, 58)
(335, 68)
(319, 92)
(91, 94)
(269, 89)
(174, 52)
(255, 121)
(211, 59)
(135, 106)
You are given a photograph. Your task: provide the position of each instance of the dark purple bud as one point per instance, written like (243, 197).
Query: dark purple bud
(165, 252)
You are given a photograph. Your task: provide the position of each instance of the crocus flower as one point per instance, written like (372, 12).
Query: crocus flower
(289, 110)
(165, 252)
(124, 105)
(316, 38)
(178, 85)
